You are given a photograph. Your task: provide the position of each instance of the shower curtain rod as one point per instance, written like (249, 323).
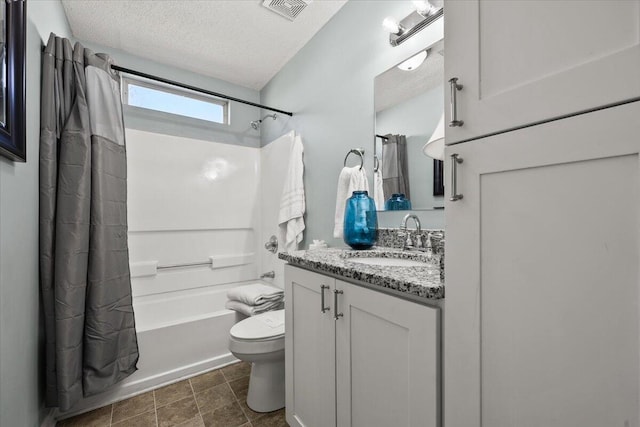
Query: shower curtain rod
(196, 89)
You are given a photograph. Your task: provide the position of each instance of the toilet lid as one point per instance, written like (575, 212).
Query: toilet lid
(260, 327)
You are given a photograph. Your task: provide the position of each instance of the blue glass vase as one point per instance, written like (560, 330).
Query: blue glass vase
(397, 202)
(360, 221)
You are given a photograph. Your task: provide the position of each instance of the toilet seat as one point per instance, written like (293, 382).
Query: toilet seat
(262, 327)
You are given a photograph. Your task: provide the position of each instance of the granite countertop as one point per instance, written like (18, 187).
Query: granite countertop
(422, 282)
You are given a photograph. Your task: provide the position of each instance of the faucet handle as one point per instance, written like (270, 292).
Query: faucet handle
(408, 242)
(428, 243)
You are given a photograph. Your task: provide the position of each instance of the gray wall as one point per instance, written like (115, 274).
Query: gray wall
(21, 400)
(329, 87)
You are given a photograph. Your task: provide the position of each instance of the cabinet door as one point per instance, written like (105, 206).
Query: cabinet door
(522, 62)
(387, 356)
(541, 319)
(309, 350)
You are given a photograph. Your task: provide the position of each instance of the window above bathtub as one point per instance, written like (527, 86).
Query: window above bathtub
(142, 93)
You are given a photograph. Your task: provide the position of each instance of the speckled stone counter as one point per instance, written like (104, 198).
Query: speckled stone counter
(422, 282)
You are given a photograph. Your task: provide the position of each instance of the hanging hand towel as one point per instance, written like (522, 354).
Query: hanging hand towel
(292, 203)
(378, 190)
(350, 180)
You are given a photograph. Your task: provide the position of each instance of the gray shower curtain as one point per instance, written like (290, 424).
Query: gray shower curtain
(90, 333)
(395, 167)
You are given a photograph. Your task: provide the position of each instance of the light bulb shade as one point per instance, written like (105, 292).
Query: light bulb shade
(414, 62)
(391, 25)
(423, 7)
(434, 148)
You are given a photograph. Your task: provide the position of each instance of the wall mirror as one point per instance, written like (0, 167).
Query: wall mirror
(12, 80)
(409, 103)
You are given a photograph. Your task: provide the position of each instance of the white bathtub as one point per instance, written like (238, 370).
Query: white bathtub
(180, 334)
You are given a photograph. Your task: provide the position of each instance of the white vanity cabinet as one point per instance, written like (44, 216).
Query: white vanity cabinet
(377, 364)
(522, 62)
(310, 358)
(542, 311)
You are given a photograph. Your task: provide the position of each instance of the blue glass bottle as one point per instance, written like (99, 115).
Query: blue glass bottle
(398, 202)
(360, 221)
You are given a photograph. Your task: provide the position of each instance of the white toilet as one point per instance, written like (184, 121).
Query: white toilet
(259, 340)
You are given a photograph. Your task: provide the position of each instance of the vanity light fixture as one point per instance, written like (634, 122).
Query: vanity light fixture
(424, 15)
(414, 62)
(423, 7)
(392, 26)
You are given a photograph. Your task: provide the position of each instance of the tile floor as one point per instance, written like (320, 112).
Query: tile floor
(215, 399)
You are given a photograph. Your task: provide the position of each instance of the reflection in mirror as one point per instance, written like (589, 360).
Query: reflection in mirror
(409, 103)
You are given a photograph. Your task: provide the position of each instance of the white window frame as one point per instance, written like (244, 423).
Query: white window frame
(126, 80)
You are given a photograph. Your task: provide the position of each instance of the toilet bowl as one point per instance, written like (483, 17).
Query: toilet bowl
(259, 340)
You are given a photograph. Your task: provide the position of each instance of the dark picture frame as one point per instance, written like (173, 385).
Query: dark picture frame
(438, 177)
(13, 133)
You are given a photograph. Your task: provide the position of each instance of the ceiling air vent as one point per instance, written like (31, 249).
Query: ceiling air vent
(290, 9)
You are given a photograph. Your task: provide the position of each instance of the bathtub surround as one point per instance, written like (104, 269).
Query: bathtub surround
(181, 212)
(84, 260)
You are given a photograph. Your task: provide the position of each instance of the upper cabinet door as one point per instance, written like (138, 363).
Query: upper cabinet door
(522, 62)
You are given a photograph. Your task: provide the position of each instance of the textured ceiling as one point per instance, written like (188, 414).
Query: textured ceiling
(395, 86)
(239, 41)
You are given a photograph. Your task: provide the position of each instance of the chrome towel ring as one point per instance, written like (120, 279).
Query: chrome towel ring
(359, 152)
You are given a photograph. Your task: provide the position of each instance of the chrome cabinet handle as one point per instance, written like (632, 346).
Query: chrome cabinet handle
(455, 160)
(336, 292)
(322, 307)
(455, 87)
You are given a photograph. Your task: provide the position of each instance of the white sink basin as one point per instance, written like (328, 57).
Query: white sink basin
(390, 262)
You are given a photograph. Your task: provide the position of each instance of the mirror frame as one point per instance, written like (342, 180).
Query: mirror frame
(13, 134)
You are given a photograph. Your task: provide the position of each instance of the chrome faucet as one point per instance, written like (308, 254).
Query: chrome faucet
(408, 243)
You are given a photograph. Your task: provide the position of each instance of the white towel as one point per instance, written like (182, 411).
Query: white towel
(292, 204)
(255, 294)
(350, 180)
(378, 190)
(252, 310)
